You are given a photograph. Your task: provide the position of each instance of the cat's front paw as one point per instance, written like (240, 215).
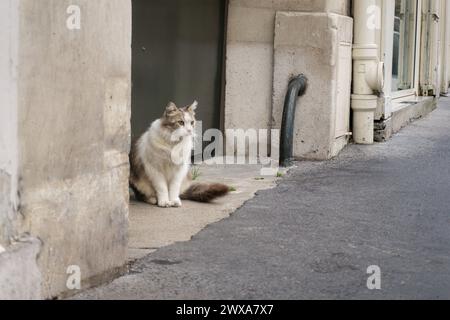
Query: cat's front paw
(164, 204)
(176, 203)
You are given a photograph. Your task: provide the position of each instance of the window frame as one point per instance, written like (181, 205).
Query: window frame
(415, 64)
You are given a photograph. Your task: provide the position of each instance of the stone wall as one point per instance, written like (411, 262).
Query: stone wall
(73, 133)
(8, 118)
(250, 56)
(318, 45)
(249, 63)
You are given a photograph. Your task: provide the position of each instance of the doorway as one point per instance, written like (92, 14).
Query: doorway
(178, 53)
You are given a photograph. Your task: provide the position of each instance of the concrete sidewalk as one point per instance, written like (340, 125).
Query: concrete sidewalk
(317, 232)
(152, 227)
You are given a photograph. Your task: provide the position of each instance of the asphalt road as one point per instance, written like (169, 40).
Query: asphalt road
(315, 235)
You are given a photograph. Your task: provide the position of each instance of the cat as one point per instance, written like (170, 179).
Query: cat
(160, 162)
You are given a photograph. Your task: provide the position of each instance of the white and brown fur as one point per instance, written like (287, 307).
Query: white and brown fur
(160, 162)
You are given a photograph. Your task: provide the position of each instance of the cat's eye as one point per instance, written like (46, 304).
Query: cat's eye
(181, 123)
(192, 123)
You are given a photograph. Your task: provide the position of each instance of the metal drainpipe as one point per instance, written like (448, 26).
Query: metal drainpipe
(367, 71)
(297, 88)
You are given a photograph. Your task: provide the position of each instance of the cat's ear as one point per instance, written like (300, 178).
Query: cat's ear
(192, 107)
(171, 108)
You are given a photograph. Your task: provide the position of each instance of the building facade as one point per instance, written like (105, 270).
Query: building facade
(80, 78)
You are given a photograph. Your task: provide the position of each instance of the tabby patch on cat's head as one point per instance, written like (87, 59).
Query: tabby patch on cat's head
(180, 121)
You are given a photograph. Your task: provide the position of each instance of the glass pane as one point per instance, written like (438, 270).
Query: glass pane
(404, 44)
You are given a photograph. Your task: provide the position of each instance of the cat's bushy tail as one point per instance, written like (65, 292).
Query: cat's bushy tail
(202, 192)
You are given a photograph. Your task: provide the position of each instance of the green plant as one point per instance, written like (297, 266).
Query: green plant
(195, 172)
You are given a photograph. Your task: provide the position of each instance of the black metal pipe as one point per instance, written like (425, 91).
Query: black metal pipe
(297, 88)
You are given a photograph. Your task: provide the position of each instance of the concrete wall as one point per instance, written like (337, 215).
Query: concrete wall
(250, 56)
(19, 274)
(446, 45)
(8, 118)
(323, 52)
(20, 278)
(73, 128)
(447, 28)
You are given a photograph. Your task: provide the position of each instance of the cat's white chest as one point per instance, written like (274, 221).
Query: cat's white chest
(181, 153)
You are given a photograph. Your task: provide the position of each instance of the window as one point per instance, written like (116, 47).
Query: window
(404, 53)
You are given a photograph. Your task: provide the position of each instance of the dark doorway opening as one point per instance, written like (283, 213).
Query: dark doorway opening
(178, 54)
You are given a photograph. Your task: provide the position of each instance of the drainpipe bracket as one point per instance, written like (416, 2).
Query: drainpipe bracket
(365, 52)
(364, 102)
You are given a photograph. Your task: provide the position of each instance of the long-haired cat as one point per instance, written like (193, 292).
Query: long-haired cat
(160, 162)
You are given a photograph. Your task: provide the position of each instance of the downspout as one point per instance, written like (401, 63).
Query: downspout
(368, 70)
(297, 88)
